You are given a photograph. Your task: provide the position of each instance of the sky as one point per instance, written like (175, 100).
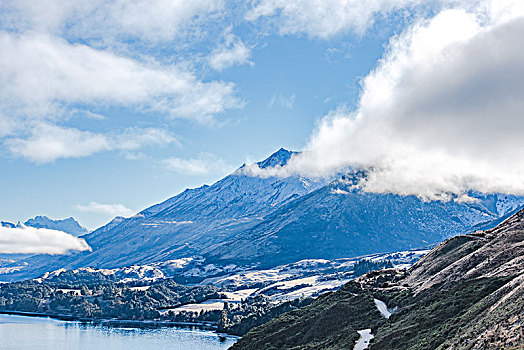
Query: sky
(108, 107)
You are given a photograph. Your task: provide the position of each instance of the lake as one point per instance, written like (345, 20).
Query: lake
(22, 332)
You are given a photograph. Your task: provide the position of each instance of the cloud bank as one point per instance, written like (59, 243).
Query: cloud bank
(42, 74)
(47, 142)
(441, 114)
(73, 60)
(116, 209)
(30, 240)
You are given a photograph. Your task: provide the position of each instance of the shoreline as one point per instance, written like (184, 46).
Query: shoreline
(117, 322)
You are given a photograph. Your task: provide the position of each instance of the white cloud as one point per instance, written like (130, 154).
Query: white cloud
(440, 114)
(150, 21)
(63, 60)
(47, 143)
(232, 52)
(325, 18)
(281, 100)
(104, 208)
(41, 74)
(206, 163)
(30, 240)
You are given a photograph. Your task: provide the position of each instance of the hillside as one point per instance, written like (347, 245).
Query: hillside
(467, 293)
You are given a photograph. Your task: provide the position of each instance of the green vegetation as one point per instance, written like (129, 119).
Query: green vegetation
(329, 322)
(99, 299)
(253, 312)
(427, 320)
(423, 321)
(364, 266)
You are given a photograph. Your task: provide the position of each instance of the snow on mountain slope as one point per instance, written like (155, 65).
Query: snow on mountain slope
(279, 158)
(197, 218)
(188, 223)
(236, 195)
(339, 220)
(306, 278)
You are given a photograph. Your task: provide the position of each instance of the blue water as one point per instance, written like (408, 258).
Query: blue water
(21, 332)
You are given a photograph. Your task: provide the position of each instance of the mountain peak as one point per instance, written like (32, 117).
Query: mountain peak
(279, 158)
(7, 224)
(69, 225)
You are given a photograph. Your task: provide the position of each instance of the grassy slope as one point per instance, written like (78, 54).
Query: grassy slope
(328, 323)
(427, 320)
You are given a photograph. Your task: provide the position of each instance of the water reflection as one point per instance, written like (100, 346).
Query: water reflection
(20, 332)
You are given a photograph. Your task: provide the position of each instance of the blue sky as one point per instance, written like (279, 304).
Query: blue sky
(108, 107)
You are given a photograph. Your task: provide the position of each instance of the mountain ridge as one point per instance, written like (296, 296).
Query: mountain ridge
(337, 220)
(68, 225)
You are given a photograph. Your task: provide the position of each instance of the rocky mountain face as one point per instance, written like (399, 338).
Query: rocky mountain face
(467, 293)
(197, 219)
(268, 221)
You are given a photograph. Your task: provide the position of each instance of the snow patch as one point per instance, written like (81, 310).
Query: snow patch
(383, 308)
(208, 305)
(363, 342)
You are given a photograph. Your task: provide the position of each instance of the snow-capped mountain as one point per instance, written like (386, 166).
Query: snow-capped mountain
(197, 219)
(339, 220)
(69, 225)
(188, 223)
(248, 220)
(279, 158)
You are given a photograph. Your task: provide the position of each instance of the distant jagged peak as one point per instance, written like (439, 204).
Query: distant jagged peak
(68, 225)
(42, 219)
(7, 224)
(279, 158)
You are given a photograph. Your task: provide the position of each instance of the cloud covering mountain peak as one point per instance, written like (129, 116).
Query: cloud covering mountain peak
(441, 113)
